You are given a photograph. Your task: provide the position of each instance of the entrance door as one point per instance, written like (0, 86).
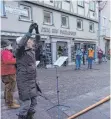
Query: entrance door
(62, 49)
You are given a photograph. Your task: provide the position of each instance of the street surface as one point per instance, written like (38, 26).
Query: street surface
(78, 90)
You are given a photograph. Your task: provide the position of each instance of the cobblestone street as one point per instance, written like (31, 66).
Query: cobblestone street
(78, 90)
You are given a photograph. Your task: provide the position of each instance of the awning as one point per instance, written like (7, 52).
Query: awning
(107, 38)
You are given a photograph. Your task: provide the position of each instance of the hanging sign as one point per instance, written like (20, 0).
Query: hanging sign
(16, 11)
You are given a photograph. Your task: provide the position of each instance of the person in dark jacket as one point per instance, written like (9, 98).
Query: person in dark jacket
(26, 73)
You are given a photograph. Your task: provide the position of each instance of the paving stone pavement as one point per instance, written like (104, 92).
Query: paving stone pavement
(78, 89)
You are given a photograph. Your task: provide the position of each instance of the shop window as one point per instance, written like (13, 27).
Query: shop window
(48, 19)
(27, 17)
(2, 8)
(91, 27)
(92, 5)
(65, 21)
(81, 3)
(79, 24)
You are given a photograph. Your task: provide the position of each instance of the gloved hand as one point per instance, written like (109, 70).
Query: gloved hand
(32, 26)
(36, 28)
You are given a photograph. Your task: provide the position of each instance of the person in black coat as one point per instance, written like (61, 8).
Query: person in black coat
(26, 72)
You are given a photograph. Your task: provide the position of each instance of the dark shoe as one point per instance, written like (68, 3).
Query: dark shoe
(30, 115)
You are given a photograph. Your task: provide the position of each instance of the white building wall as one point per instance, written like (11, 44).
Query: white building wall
(105, 27)
(12, 23)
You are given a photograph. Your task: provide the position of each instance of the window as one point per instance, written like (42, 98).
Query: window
(79, 24)
(2, 8)
(67, 1)
(65, 21)
(92, 5)
(81, 3)
(91, 27)
(27, 17)
(51, 1)
(47, 18)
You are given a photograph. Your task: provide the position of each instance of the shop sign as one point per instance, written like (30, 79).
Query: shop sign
(55, 31)
(16, 11)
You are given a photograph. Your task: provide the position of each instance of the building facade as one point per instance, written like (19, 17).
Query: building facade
(105, 26)
(64, 25)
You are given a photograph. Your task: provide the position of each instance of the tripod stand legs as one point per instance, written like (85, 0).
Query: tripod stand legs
(58, 105)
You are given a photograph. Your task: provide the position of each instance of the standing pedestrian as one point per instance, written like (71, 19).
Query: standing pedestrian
(100, 55)
(78, 59)
(8, 72)
(26, 73)
(90, 57)
(84, 56)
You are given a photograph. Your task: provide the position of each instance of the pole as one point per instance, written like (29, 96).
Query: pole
(90, 107)
(99, 25)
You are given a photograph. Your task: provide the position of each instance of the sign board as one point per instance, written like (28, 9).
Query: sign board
(60, 61)
(16, 11)
(37, 63)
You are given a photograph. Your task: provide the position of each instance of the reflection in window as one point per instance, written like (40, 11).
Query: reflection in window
(26, 17)
(65, 21)
(81, 3)
(92, 6)
(2, 8)
(79, 24)
(47, 17)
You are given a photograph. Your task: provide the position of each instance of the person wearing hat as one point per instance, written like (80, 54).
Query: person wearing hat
(8, 72)
(26, 73)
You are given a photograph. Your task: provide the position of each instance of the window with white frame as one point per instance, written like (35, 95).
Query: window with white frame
(2, 8)
(48, 19)
(92, 5)
(91, 27)
(79, 24)
(27, 17)
(81, 3)
(65, 21)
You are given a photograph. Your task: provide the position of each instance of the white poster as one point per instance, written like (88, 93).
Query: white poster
(17, 11)
(60, 61)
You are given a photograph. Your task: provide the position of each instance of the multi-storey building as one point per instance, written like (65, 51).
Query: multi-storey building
(64, 25)
(105, 26)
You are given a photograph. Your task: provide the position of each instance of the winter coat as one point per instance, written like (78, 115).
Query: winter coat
(100, 54)
(26, 70)
(7, 63)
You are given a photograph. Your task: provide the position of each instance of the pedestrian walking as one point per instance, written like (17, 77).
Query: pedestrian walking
(100, 55)
(90, 58)
(26, 73)
(8, 73)
(84, 56)
(104, 59)
(78, 59)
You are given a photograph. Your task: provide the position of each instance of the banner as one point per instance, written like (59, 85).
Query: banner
(16, 11)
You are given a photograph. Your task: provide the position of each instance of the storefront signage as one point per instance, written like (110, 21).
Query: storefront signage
(57, 31)
(16, 11)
